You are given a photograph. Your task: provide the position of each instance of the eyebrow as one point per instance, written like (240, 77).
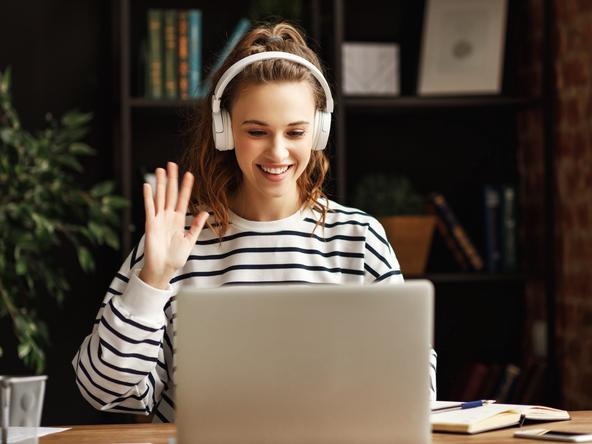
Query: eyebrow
(259, 122)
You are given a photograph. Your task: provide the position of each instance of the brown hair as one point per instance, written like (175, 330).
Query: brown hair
(217, 173)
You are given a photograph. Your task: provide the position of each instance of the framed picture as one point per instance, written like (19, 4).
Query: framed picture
(462, 47)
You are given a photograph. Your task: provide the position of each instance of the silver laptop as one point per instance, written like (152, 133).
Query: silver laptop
(304, 364)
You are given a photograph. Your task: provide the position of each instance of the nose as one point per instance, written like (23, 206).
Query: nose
(278, 148)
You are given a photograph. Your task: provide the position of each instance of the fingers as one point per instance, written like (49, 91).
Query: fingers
(172, 185)
(160, 189)
(148, 202)
(197, 225)
(185, 194)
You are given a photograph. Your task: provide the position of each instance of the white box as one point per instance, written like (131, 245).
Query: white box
(370, 68)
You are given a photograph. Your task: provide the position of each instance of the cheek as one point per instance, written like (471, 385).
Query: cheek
(246, 151)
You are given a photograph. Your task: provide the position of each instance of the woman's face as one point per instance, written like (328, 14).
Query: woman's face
(272, 127)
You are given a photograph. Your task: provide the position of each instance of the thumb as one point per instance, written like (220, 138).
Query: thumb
(197, 225)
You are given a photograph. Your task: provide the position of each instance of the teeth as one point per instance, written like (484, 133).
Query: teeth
(274, 170)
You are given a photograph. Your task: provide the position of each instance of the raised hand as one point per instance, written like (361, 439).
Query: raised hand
(167, 244)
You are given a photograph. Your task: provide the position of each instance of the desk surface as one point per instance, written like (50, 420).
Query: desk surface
(159, 433)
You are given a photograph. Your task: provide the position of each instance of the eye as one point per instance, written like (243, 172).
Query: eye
(296, 133)
(256, 133)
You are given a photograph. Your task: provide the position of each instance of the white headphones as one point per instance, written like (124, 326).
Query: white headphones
(221, 125)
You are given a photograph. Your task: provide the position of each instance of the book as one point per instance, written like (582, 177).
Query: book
(490, 417)
(155, 53)
(507, 383)
(195, 51)
(183, 54)
(508, 237)
(454, 249)
(492, 226)
(240, 29)
(474, 381)
(492, 381)
(170, 54)
(456, 231)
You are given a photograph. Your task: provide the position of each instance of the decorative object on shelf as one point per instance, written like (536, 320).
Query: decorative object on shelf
(45, 212)
(402, 212)
(462, 47)
(370, 68)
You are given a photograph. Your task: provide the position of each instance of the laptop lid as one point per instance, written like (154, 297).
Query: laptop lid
(304, 364)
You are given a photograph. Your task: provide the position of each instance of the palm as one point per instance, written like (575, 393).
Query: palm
(167, 243)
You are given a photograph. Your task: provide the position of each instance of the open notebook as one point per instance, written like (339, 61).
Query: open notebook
(490, 417)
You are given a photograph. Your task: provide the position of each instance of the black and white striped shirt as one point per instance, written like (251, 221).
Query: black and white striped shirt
(126, 363)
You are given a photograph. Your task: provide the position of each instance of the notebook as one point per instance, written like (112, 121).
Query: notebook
(304, 364)
(491, 417)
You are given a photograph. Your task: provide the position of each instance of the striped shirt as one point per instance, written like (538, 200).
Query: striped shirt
(126, 363)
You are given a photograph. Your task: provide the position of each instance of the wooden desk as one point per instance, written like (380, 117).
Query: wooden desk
(160, 433)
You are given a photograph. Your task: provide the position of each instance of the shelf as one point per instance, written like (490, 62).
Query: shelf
(385, 103)
(406, 103)
(142, 102)
(453, 278)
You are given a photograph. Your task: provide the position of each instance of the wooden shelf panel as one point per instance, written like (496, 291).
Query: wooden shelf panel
(380, 103)
(406, 103)
(142, 102)
(445, 278)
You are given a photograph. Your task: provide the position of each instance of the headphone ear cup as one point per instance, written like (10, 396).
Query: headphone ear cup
(322, 129)
(223, 140)
(228, 139)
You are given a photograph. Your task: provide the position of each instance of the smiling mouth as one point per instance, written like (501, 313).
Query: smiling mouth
(275, 171)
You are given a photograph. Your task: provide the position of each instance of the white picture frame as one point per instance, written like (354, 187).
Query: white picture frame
(462, 47)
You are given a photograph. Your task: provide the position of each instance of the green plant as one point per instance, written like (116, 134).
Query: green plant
(388, 195)
(44, 214)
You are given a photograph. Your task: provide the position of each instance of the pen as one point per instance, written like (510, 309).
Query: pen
(463, 406)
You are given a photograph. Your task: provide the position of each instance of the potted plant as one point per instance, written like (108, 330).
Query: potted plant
(45, 213)
(403, 213)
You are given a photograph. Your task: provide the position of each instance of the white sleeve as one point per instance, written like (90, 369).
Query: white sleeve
(121, 365)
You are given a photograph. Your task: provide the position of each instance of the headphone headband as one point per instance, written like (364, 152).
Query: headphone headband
(235, 69)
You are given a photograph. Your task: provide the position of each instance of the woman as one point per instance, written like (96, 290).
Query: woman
(259, 215)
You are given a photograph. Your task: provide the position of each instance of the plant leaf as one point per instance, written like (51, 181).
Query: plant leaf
(81, 149)
(102, 189)
(5, 79)
(85, 259)
(76, 119)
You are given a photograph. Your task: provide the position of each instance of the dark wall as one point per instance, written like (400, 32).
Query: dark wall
(61, 58)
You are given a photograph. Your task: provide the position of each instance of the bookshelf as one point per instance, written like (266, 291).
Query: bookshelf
(452, 144)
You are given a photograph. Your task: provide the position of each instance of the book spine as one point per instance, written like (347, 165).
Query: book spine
(458, 233)
(183, 55)
(504, 390)
(143, 77)
(195, 51)
(491, 199)
(155, 25)
(451, 244)
(240, 29)
(508, 228)
(170, 54)
(474, 382)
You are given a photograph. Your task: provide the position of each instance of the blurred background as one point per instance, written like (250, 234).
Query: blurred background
(481, 115)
